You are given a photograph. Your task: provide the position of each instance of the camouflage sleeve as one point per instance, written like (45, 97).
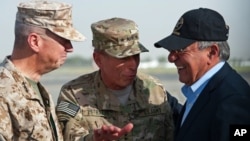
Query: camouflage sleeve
(169, 124)
(6, 131)
(69, 116)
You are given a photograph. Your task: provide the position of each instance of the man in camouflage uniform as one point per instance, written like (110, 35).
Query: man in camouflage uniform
(43, 30)
(115, 102)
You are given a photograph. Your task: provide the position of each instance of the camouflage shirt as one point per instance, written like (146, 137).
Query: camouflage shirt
(85, 104)
(23, 116)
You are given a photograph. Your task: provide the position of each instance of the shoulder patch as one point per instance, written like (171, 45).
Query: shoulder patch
(68, 108)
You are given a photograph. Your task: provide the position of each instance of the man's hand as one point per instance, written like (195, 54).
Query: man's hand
(108, 133)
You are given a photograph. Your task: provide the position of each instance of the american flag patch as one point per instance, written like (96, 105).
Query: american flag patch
(68, 108)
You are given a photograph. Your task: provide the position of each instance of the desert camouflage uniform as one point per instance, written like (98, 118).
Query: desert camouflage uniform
(85, 104)
(23, 116)
(53, 15)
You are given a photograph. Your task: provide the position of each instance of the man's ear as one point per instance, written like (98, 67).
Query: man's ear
(34, 40)
(214, 51)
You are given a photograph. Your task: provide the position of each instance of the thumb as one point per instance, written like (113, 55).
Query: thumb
(126, 129)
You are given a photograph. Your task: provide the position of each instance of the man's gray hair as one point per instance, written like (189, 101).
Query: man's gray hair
(224, 49)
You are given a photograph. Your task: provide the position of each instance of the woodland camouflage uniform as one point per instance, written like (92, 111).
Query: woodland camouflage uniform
(85, 103)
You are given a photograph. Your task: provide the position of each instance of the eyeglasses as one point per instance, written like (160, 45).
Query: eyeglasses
(183, 50)
(178, 51)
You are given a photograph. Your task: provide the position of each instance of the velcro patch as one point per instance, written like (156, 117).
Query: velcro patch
(68, 108)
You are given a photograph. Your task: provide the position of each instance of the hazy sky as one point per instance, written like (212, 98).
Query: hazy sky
(155, 18)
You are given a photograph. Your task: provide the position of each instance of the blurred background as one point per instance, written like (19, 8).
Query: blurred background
(156, 20)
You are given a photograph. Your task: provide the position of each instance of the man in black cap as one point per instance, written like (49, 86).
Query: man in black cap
(217, 96)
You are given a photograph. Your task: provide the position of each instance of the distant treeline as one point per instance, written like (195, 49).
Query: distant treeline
(86, 62)
(81, 61)
(78, 61)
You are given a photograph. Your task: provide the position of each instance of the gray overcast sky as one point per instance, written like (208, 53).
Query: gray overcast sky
(156, 19)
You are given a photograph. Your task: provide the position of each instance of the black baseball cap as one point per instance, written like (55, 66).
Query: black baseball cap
(201, 24)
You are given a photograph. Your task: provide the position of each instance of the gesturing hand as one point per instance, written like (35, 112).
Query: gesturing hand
(107, 133)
